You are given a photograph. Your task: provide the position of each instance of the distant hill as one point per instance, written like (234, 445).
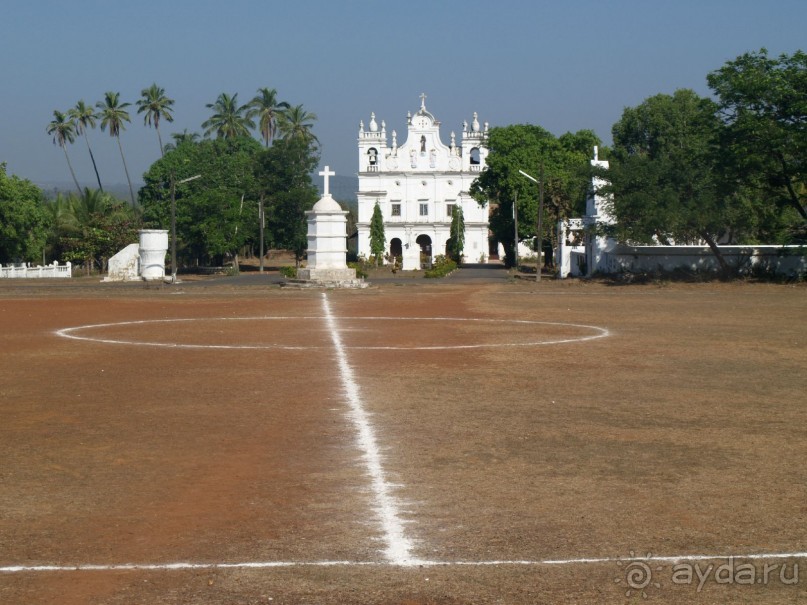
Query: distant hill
(119, 190)
(343, 188)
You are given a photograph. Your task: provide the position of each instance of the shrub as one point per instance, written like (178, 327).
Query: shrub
(441, 267)
(290, 272)
(358, 266)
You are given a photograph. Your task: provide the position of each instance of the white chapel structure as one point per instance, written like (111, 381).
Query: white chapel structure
(417, 185)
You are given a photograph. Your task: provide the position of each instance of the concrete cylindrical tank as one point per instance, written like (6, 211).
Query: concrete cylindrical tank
(153, 247)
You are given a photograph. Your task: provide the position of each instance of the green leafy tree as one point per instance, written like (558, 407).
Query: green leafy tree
(526, 147)
(283, 175)
(297, 123)
(762, 104)
(155, 106)
(63, 130)
(84, 117)
(456, 241)
(215, 214)
(229, 120)
(267, 109)
(23, 219)
(665, 176)
(378, 241)
(113, 116)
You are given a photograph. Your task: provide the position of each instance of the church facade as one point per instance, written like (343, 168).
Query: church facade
(418, 184)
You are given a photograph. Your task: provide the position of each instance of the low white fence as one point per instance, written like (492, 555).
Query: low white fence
(27, 272)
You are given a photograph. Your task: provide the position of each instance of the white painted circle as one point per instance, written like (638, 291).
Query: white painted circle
(80, 333)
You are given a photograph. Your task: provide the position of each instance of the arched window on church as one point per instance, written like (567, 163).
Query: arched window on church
(372, 153)
(423, 144)
(475, 156)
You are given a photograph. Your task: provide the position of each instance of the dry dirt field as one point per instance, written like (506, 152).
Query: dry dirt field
(424, 443)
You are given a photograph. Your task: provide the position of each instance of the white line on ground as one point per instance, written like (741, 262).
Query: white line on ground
(180, 566)
(73, 333)
(399, 547)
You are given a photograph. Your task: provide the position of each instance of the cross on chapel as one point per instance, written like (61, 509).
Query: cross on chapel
(423, 100)
(327, 173)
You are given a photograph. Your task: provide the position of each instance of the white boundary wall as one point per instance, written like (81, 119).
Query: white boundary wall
(779, 260)
(27, 272)
(613, 258)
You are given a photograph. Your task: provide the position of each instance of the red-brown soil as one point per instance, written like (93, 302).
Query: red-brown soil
(684, 432)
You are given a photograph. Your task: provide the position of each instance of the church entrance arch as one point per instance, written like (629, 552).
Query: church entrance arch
(425, 243)
(395, 248)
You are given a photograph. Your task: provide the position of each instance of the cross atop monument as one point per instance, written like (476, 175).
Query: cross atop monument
(423, 100)
(326, 173)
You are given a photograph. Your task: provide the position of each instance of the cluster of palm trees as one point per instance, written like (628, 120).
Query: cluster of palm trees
(229, 120)
(89, 228)
(274, 118)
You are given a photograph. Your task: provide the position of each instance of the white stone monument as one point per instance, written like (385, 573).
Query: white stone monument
(153, 247)
(125, 265)
(327, 245)
(411, 254)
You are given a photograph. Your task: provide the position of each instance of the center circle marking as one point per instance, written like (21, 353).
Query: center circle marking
(594, 332)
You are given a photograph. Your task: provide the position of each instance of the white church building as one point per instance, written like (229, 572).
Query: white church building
(417, 185)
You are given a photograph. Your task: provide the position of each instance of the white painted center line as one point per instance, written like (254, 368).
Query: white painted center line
(399, 548)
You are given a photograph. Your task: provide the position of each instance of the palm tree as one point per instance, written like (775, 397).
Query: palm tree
(157, 107)
(266, 107)
(182, 137)
(228, 120)
(84, 116)
(63, 130)
(62, 222)
(296, 122)
(113, 114)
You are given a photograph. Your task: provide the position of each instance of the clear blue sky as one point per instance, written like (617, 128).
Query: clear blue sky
(564, 65)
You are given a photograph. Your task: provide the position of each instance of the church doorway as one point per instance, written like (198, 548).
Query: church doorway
(493, 248)
(425, 243)
(396, 248)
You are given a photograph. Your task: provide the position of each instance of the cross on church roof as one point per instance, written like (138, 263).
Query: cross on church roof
(326, 173)
(423, 100)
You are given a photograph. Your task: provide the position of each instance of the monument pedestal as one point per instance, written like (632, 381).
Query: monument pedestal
(411, 258)
(328, 278)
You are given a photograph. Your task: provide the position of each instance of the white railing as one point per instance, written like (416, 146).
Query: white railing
(476, 167)
(27, 272)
